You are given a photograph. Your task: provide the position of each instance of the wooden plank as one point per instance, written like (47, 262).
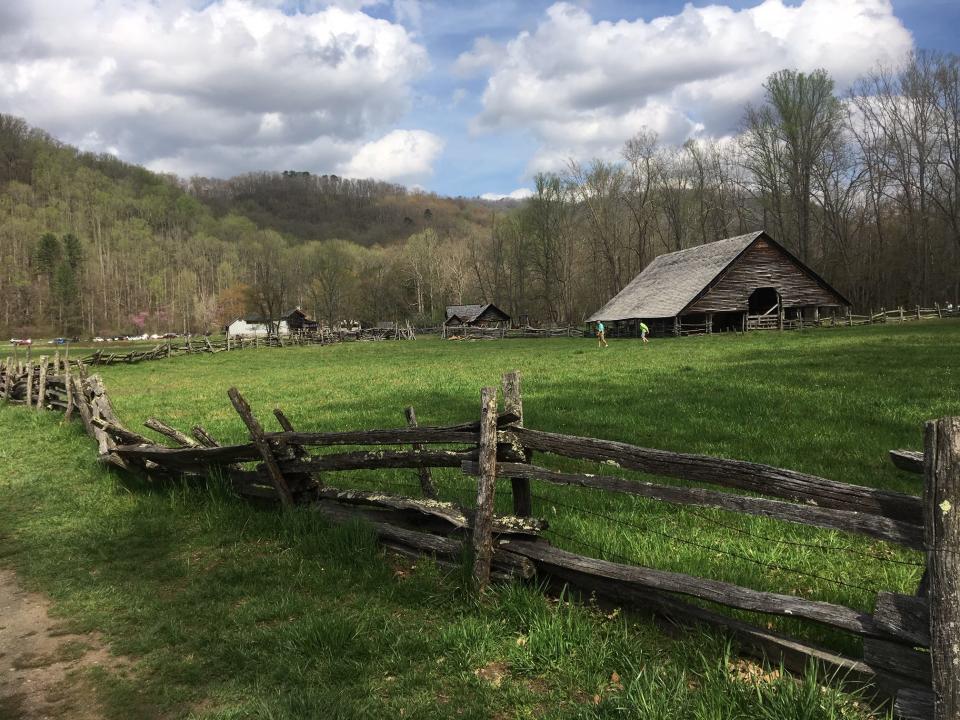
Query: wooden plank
(723, 593)
(451, 513)
(464, 433)
(42, 384)
(29, 395)
(903, 617)
(203, 437)
(775, 648)
(914, 704)
(256, 435)
(874, 526)
(287, 426)
(486, 488)
(908, 460)
(182, 439)
(68, 385)
(942, 522)
(513, 402)
(8, 379)
(378, 459)
(198, 458)
(755, 477)
(898, 658)
(426, 480)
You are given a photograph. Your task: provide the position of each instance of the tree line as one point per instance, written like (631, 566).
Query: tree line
(863, 186)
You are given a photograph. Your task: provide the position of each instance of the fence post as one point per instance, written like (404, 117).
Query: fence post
(426, 480)
(918, 312)
(942, 536)
(8, 379)
(256, 435)
(513, 403)
(29, 396)
(486, 485)
(937, 306)
(42, 383)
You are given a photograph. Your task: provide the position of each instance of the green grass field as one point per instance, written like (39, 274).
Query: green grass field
(230, 611)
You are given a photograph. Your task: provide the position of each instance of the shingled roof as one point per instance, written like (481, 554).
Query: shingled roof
(464, 313)
(673, 281)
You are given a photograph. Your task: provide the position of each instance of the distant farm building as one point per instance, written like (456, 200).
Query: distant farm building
(488, 315)
(746, 282)
(292, 321)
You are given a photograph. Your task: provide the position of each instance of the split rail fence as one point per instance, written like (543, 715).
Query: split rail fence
(911, 644)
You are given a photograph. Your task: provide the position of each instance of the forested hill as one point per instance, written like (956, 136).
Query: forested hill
(303, 206)
(90, 244)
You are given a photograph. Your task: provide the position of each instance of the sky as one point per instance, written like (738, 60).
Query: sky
(463, 97)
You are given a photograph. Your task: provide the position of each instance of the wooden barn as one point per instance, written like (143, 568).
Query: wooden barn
(748, 282)
(488, 315)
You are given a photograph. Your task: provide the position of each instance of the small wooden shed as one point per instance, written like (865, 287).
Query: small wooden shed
(748, 282)
(488, 315)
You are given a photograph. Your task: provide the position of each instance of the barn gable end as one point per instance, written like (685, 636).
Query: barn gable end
(765, 264)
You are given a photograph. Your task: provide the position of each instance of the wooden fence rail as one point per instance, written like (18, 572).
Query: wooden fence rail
(910, 642)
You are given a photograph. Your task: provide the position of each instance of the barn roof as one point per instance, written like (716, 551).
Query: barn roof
(673, 281)
(466, 314)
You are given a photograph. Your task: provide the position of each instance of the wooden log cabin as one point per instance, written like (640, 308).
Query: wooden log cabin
(748, 282)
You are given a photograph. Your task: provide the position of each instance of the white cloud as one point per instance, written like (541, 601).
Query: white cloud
(584, 87)
(518, 194)
(209, 87)
(401, 156)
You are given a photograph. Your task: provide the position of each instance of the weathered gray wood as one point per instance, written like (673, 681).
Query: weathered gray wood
(8, 379)
(759, 478)
(486, 487)
(942, 522)
(256, 435)
(904, 617)
(735, 596)
(120, 433)
(913, 704)
(449, 512)
(29, 395)
(192, 459)
(181, 438)
(83, 405)
(874, 526)
(42, 384)
(467, 433)
(426, 480)
(68, 386)
(505, 564)
(378, 459)
(203, 437)
(898, 658)
(775, 648)
(513, 403)
(908, 460)
(297, 450)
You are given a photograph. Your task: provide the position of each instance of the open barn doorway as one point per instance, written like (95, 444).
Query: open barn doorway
(763, 309)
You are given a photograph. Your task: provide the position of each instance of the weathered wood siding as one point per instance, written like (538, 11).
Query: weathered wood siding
(491, 316)
(763, 265)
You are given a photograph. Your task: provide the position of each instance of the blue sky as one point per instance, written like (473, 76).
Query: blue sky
(461, 98)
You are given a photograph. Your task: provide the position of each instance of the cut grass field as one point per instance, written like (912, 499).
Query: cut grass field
(229, 611)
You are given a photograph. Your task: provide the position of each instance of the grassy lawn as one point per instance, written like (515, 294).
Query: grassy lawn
(235, 612)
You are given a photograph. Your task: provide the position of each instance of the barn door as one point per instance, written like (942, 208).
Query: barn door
(763, 309)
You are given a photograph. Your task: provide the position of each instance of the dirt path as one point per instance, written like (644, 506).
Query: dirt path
(39, 661)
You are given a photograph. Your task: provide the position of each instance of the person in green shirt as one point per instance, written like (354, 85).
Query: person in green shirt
(644, 331)
(601, 340)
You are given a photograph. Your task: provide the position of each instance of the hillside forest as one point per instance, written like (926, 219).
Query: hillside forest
(863, 185)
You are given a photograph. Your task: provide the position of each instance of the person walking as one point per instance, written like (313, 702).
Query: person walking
(644, 331)
(601, 340)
